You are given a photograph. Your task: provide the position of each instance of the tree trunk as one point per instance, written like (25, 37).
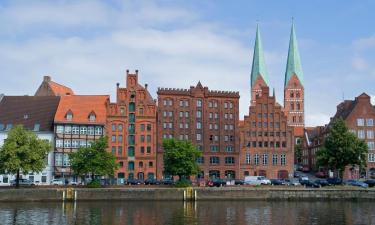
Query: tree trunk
(92, 177)
(18, 179)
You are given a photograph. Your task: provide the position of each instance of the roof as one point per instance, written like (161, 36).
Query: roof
(59, 89)
(258, 67)
(29, 111)
(293, 66)
(81, 106)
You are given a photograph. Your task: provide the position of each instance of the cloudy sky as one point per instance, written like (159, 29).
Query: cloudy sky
(88, 45)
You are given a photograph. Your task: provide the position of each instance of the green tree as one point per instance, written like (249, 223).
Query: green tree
(298, 153)
(180, 158)
(93, 160)
(23, 152)
(342, 148)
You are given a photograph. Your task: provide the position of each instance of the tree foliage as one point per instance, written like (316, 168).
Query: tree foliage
(180, 158)
(342, 148)
(23, 152)
(298, 153)
(93, 160)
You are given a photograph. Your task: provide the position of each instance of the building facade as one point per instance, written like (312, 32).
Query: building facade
(36, 114)
(207, 118)
(131, 129)
(312, 141)
(79, 120)
(267, 142)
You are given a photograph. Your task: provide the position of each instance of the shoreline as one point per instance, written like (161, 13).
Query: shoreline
(183, 194)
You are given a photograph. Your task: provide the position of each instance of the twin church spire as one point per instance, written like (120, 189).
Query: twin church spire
(293, 66)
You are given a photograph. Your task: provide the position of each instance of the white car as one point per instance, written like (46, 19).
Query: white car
(256, 180)
(57, 182)
(265, 181)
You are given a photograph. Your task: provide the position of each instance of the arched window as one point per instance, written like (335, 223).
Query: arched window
(300, 119)
(298, 94)
(292, 106)
(92, 117)
(298, 106)
(140, 164)
(69, 116)
(292, 94)
(294, 119)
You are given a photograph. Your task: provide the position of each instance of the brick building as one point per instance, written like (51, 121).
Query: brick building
(359, 116)
(311, 143)
(50, 88)
(266, 139)
(209, 119)
(131, 129)
(79, 120)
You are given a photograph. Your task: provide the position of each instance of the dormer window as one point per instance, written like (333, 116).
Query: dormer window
(69, 116)
(92, 117)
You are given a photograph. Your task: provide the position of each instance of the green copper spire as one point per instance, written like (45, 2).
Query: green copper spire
(259, 67)
(293, 65)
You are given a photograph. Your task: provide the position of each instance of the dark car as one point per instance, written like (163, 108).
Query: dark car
(152, 182)
(277, 182)
(356, 183)
(239, 182)
(309, 183)
(322, 183)
(22, 182)
(134, 182)
(334, 181)
(297, 175)
(305, 169)
(371, 183)
(321, 174)
(167, 181)
(216, 183)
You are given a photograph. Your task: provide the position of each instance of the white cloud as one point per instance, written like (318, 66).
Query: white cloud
(364, 43)
(317, 119)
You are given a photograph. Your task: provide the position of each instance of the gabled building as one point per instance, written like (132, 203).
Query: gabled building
(311, 142)
(79, 120)
(131, 129)
(207, 118)
(51, 88)
(35, 113)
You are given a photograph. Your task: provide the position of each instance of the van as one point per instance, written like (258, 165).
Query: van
(256, 180)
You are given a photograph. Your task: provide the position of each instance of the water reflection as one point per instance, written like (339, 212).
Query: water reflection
(190, 213)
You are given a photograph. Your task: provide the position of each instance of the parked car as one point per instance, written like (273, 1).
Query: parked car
(278, 182)
(239, 182)
(73, 183)
(305, 169)
(57, 182)
(334, 181)
(216, 183)
(309, 183)
(256, 180)
(22, 182)
(322, 183)
(356, 183)
(134, 182)
(152, 182)
(371, 183)
(292, 182)
(321, 174)
(167, 181)
(296, 175)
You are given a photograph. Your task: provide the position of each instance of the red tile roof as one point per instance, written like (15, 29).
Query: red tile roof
(59, 89)
(81, 107)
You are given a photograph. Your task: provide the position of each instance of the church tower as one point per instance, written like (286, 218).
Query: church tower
(294, 103)
(259, 76)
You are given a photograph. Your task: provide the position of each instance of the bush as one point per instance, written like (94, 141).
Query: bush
(182, 183)
(94, 184)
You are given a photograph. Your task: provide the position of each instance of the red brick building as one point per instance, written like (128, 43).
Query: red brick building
(311, 143)
(131, 130)
(209, 119)
(359, 116)
(266, 140)
(50, 88)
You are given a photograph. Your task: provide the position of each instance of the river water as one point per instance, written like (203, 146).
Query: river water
(179, 213)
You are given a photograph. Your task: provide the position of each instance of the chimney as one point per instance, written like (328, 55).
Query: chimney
(118, 85)
(146, 85)
(46, 78)
(127, 72)
(136, 72)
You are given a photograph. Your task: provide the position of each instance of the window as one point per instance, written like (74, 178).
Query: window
(142, 149)
(165, 113)
(150, 164)
(214, 160)
(83, 130)
(370, 145)
(210, 104)
(148, 149)
(66, 161)
(225, 105)
(170, 102)
(119, 150)
(360, 122)
(36, 127)
(186, 125)
(140, 111)
(143, 127)
(98, 131)
(199, 103)
(119, 139)
(140, 164)
(67, 143)
(199, 125)
(122, 111)
(131, 166)
(226, 138)
(113, 139)
(170, 113)
(361, 134)
(371, 157)
(210, 115)
(256, 159)
(113, 150)
(165, 102)
(265, 159)
(92, 117)
(215, 104)
(200, 160)
(59, 143)
(370, 122)
(142, 138)
(199, 114)
(181, 103)
(131, 151)
(248, 158)
(229, 160)
(75, 143)
(199, 137)
(229, 148)
(68, 129)
(82, 143)
(186, 103)
(187, 114)
(283, 159)
(119, 127)
(148, 138)
(274, 159)
(58, 159)
(216, 115)
(90, 130)
(370, 134)
(214, 148)
(69, 116)
(59, 129)
(230, 105)
(181, 114)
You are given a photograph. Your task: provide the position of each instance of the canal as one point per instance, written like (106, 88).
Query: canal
(179, 213)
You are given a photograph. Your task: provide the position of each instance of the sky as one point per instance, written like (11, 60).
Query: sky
(89, 45)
